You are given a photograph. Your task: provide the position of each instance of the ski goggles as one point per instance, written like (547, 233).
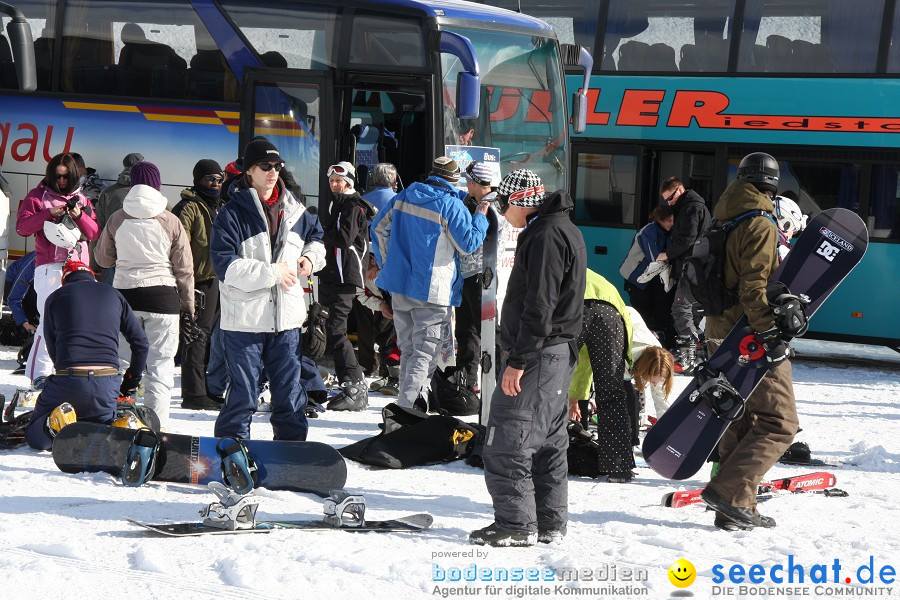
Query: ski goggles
(269, 166)
(338, 170)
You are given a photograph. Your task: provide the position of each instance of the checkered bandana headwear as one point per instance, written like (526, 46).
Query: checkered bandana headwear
(522, 188)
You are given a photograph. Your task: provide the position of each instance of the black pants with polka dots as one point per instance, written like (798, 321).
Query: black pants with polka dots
(603, 333)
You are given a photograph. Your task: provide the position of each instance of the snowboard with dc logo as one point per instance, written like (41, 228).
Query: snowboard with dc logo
(826, 252)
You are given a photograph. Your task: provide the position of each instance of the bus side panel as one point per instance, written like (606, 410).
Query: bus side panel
(863, 305)
(34, 129)
(615, 242)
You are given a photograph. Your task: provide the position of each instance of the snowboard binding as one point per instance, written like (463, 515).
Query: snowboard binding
(239, 472)
(344, 509)
(140, 460)
(233, 511)
(788, 309)
(722, 397)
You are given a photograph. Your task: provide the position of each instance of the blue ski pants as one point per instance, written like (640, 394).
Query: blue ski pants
(246, 354)
(93, 398)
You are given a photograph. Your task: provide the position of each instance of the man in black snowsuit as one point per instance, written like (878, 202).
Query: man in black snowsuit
(692, 219)
(524, 455)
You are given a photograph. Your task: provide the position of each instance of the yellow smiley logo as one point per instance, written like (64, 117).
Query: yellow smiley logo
(682, 573)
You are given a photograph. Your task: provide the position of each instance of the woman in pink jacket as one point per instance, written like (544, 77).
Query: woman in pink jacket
(56, 200)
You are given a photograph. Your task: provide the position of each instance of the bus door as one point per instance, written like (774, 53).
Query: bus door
(607, 188)
(386, 119)
(293, 109)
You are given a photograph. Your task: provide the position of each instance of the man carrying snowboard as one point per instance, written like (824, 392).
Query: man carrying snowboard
(85, 354)
(752, 444)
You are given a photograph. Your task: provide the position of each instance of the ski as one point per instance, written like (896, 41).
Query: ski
(409, 524)
(799, 483)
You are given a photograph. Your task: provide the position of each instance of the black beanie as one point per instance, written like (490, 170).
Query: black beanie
(204, 167)
(260, 151)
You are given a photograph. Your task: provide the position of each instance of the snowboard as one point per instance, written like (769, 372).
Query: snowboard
(825, 253)
(310, 467)
(409, 524)
(796, 484)
(489, 314)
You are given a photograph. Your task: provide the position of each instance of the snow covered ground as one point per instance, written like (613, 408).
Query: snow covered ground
(65, 536)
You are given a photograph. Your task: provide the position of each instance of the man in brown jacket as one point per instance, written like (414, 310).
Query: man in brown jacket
(754, 443)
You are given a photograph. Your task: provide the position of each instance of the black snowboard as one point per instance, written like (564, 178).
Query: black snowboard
(678, 445)
(409, 523)
(297, 466)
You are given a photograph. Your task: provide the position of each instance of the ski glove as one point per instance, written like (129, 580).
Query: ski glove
(130, 384)
(776, 350)
(191, 332)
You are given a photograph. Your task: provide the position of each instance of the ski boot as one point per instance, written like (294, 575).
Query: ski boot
(353, 396)
(493, 535)
(62, 415)
(686, 360)
(233, 511)
(140, 460)
(343, 509)
(239, 472)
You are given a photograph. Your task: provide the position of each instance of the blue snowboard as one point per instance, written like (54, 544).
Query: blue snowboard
(679, 443)
(310, 467)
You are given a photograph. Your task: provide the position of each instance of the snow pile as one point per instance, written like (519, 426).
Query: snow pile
(65, 536)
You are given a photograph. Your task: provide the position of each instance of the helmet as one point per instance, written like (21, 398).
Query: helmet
(73, 266)
(788, 215)
(63, 233)
(761, 170)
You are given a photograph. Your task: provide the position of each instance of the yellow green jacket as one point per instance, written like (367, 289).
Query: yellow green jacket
(598, 288)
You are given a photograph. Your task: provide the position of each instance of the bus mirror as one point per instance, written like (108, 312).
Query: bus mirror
(22, 46)
(468, 95)
(468, 83)
(577, 56)
(579, 112)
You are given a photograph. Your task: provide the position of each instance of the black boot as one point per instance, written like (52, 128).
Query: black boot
(354, 396)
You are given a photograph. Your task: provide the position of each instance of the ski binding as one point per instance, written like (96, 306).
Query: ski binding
(233, 511)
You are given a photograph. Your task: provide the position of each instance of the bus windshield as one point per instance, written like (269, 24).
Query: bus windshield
(522, 106)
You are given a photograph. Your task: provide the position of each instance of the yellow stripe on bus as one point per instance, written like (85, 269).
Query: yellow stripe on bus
(279, 132)
(95, 106)
(183, 119)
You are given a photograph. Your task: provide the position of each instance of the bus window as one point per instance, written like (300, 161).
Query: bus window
(884, 207)
(893, 65)
(642, 35)
(810, 36)
(41, 16)
(573, 22)
(521, 113)
(606, 189)
(139, 49)
(303, 37)
(387, 41)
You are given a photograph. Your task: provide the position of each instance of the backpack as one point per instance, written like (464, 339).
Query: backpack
(452, 395)
(704, 270)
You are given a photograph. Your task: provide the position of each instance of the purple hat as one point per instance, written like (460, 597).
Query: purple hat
(145, 173)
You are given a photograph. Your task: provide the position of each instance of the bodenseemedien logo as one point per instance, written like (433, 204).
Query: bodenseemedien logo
(682, 573)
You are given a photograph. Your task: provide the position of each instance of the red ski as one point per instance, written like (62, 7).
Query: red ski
(799, 483)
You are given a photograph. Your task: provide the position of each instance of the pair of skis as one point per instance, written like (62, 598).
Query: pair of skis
(819, 483)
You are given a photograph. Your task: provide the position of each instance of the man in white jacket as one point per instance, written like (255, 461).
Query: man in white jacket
(264, 244)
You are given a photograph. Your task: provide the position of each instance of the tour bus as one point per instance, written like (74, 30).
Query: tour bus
(398, 81)
(688, 88)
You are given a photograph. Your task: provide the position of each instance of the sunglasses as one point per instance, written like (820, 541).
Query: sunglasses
(269, 166)
(214, 179)
(672, 195)
(337, 170)
(62, 175)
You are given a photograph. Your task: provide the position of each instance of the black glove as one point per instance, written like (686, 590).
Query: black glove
(130, 384)
(776, 350)
(191, 333)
